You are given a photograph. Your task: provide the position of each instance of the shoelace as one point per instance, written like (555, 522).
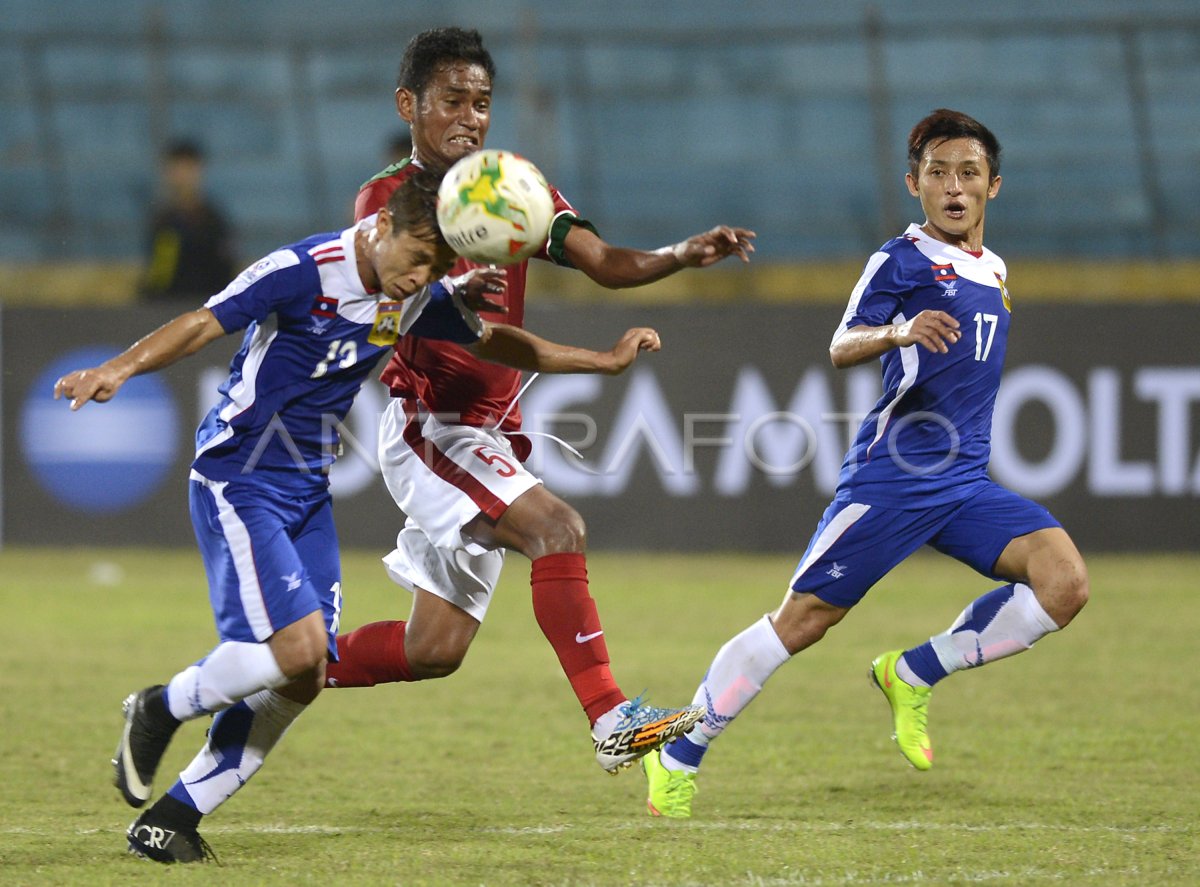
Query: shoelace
(636, 713)
(919, 706)
(205, 850)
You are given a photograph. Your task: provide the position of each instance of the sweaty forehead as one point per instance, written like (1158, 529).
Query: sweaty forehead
(961, 150)
(459, 76)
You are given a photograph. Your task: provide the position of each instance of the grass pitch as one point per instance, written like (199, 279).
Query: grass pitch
(1076, 763)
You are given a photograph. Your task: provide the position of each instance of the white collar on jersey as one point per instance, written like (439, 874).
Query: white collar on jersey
(978, 269)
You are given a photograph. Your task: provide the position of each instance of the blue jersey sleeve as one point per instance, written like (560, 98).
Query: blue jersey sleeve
(269, 285)
(443, 316)
(883, 291)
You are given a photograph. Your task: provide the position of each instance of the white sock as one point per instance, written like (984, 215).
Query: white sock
(980, 635)
(734, 679)
(238, 741)
(229, 673)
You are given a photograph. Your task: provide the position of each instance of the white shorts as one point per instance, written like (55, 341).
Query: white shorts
(442, 477)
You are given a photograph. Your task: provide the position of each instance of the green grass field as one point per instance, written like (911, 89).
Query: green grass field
(1076, 763)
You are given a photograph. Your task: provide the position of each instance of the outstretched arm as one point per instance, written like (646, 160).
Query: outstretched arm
(616, 267)
(177, 338)
(522, 350)
(933, 330)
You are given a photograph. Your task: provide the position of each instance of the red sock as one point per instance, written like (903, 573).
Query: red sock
(567, 615)
(370, 655)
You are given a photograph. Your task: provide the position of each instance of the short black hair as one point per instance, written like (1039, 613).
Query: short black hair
(438, 46)
(183, 149)
(942, 125)
(413, 206)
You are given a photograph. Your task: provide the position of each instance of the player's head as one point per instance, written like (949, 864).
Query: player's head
(406, 250)
(942, 125)
(444, 93)
(954, 169)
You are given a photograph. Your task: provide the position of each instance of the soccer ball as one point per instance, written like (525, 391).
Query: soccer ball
(495, 208)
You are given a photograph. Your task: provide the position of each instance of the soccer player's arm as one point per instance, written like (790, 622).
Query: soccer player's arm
(617, 267)
(438, 313)
(264, 287)
(175, 339)
(870, 326)
(520, 349)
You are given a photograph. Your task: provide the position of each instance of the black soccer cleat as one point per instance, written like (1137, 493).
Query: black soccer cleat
(167, 833)
(149, 727)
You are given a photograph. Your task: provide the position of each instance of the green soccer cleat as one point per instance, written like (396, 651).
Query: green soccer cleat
(910, 710)
(671, 791)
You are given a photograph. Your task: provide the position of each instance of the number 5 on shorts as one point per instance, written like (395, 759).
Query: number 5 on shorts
(505, 469)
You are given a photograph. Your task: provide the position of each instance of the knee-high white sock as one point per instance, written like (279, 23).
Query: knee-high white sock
(734, 679)
(239, 740)
(1003, 622)
(229, 673)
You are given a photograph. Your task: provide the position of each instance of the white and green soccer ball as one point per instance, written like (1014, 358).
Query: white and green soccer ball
(495, 208)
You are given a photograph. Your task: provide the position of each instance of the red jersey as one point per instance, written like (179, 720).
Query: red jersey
(446, 378)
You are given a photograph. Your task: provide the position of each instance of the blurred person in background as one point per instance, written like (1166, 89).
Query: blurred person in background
(189, 238)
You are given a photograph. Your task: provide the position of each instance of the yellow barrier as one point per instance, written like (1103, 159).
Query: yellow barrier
(96, 283)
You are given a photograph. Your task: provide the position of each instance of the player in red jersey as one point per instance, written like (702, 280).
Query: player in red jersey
(450, 447)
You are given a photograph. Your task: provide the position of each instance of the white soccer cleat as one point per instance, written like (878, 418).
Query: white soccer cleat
(632, 729)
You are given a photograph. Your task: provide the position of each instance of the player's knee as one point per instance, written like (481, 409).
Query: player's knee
(430, 662)
(803, 619)
(561, 529)
(301, 648)
(1076, 588)
(1066, 591)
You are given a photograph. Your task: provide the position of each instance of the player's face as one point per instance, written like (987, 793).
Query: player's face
(403, 263)
(450, 119)
(954, 187)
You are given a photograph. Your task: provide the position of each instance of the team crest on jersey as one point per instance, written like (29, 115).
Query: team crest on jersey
(386, 329)
(944, 275)
(1003, 292)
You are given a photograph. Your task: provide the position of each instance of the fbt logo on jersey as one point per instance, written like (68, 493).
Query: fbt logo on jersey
(106, 457)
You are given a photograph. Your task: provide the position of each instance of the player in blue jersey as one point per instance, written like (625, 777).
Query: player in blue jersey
(932, 307)
(317, 314)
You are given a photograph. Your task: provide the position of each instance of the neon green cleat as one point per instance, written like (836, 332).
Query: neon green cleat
(671, 791)
(910, 710)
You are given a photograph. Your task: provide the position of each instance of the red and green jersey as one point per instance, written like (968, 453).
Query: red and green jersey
(448, 379)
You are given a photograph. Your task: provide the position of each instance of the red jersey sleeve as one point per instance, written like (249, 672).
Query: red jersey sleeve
(374, 194)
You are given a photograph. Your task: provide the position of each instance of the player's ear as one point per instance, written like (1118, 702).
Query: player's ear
(911, 181)
(993, 187)
(384, 222)
(406, 103)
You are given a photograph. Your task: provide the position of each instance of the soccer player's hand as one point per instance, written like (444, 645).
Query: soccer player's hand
(476, 285)
(932, 330)
(702, 250)
(626, 350)
(97, 383)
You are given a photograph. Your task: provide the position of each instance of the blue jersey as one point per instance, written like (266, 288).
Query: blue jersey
(928, 440)
(313, 334)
